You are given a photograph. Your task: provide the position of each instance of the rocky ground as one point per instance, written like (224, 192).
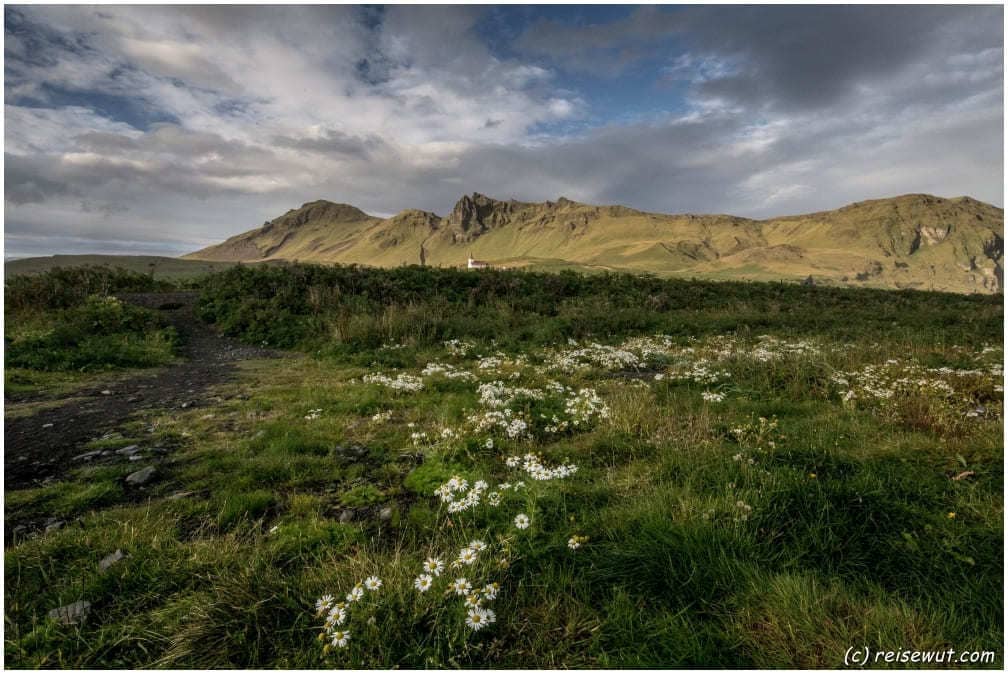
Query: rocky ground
(45, 435)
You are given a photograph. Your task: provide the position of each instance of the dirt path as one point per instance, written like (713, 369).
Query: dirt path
(39, 446)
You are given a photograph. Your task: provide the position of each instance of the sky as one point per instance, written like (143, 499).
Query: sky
(163, 129)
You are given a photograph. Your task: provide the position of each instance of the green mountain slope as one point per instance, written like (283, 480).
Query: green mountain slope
(911, 241)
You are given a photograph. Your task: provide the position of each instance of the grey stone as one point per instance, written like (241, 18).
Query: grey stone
(111, 559)
(137, 457)
(71, 614)
(177, 495)
(346, 516)
(141, 476)
(54, 526)
(87, 456)
(128, 451)
(386, 514)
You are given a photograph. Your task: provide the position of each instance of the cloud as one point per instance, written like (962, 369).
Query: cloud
(179, 126)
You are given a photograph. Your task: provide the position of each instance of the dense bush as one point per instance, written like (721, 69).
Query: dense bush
(64, 287)
(308, 306)
(102, 332)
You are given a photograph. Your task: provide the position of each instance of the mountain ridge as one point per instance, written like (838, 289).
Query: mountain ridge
(908, 241)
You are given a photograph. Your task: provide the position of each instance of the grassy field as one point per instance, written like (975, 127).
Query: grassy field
(542, 470)
(160, 268)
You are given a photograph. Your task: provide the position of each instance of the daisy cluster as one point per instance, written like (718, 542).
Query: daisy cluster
(335, 630)
(701, 371)
(401, 382)
(770, 348)
(497, 395)
(881, 384)
(532, 465)
(505, 409)
(468, 575)
(458, 495)
(447, 371)
(594, 355)
(475, 598)
(507, 421)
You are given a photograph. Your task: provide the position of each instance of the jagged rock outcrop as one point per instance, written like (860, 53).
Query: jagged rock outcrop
(476, 214)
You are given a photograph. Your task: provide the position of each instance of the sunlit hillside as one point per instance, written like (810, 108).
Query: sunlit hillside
(912, 241)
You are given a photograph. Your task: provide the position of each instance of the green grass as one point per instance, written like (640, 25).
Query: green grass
(847, 528)
(158, 268)
(66, 327)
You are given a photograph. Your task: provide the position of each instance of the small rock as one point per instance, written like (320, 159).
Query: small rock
(109, 560)
(141, 476)
(181, 494)
(49, 425)
(106, 392)
(71, 614)
(54, 526)
(87, 456)
(386, 514)
(346, 516)
(137, 457)
(128, 451)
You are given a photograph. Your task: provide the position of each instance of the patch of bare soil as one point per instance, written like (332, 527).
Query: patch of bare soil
(40, 446)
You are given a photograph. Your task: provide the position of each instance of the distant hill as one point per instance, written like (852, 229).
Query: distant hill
(911, 241)
(168, 268)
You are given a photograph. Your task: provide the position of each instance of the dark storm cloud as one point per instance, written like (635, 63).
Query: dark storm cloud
(809, 57)
(788, 56)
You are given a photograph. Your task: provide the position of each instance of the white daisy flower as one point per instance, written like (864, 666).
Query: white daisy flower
(490, 591)
(323, 603)
(521, 521)
(473, 600)
(477, 545)
(337, 616)
(467, 556)
(489, 615)
(433, 566)
(340, 638)
(423, 582)
(355, 594)
(373, 583)
(461, 586)
(476, 619)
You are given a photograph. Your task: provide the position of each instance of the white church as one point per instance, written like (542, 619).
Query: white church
(477, 264)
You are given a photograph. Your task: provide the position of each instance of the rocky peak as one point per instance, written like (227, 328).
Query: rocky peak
(320, 210)
(478, 213)
(413, 217)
